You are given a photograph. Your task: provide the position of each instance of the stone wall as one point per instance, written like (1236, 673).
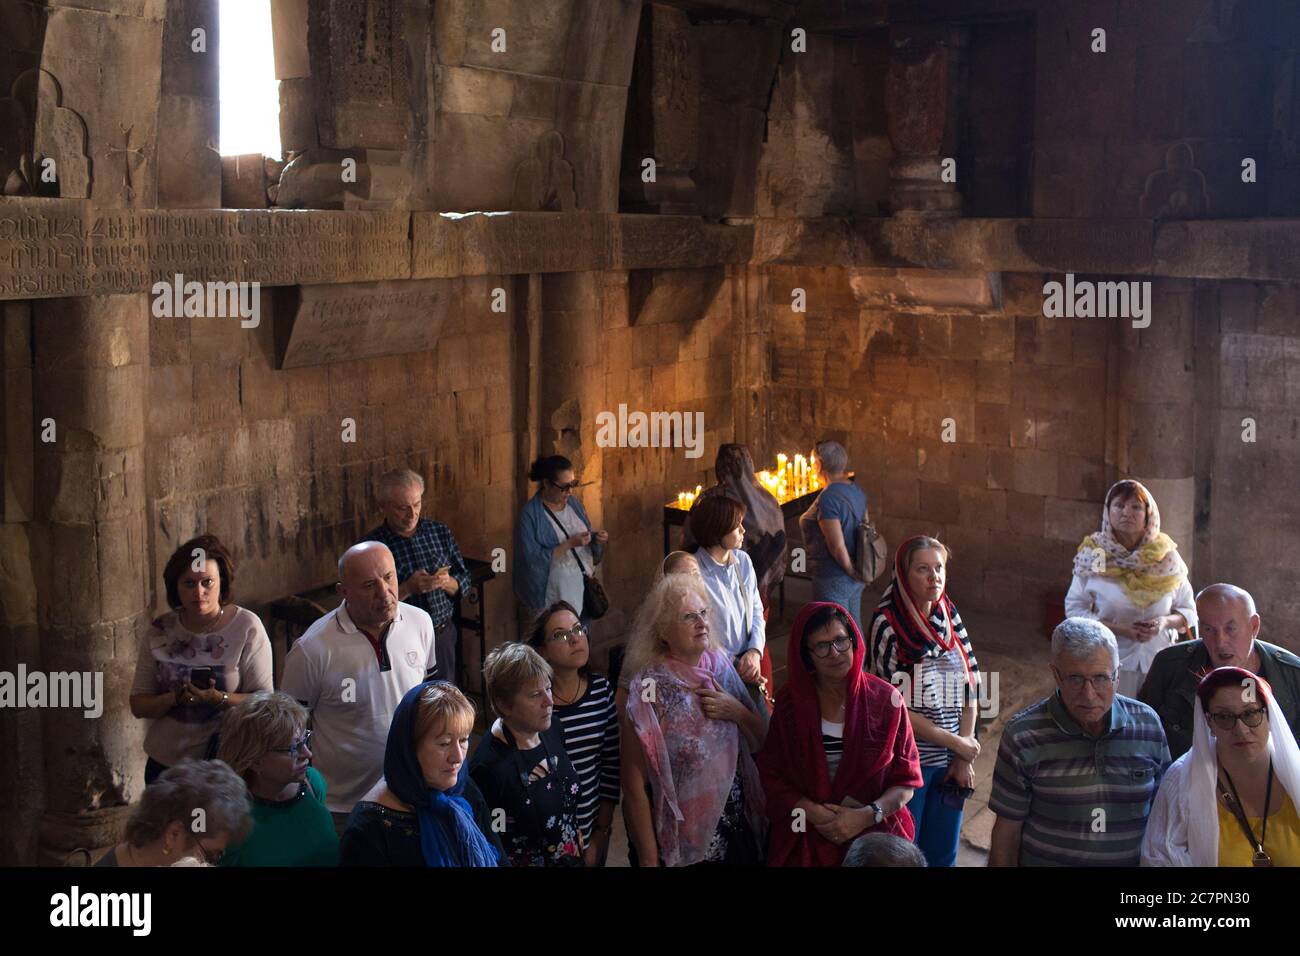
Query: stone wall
(256, 455)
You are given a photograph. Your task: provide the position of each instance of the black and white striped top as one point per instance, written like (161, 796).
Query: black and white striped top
(833, 744)
(591, 741)
(936, 687)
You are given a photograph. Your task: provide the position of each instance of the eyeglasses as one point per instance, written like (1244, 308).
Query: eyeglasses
(569, 636)
(1100, 682)
(211, 859)
(1226, 721)
(559, 487)
(693, 617)
(296, 747)
(823, 648)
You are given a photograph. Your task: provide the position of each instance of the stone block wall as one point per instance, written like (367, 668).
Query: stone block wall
(1023, 398)
(255, 455)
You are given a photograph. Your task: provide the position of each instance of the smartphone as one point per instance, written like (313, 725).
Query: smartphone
(199, 677)
(446, 568)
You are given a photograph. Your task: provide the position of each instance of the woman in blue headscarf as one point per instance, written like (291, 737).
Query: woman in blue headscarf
(426, 811)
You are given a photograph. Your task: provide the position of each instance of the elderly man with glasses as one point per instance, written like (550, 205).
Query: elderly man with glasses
(1077, 772)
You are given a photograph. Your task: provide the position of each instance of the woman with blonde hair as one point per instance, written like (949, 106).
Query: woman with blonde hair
(1130, 577)
(690, 787)
(425, 811)
(265, 740)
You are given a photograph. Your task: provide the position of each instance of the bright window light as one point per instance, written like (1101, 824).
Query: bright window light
(250, 93)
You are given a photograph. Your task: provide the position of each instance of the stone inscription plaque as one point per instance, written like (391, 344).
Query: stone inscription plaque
(317, 325)
(53, 248)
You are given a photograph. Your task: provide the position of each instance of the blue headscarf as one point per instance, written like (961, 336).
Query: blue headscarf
(448, 834)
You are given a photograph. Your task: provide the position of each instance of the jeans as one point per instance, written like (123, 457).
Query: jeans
(937, 825)
(839, 588)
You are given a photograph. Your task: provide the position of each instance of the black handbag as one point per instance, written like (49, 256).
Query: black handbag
(595, 602)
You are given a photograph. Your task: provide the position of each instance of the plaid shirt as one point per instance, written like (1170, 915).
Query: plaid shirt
(429, 548)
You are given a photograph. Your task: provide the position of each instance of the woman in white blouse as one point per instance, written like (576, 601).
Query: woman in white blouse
(1130, 577)
(716, 522)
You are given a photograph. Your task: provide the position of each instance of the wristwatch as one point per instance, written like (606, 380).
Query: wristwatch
(225, 699)
(877, 813)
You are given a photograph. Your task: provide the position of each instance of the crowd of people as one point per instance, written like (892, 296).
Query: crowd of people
(1168, 739)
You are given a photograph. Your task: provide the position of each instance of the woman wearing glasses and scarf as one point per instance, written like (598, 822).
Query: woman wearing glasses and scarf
(426, 811)
(691, 791)
(264, 739)
(521, 765)
(555, 547)
(1130, 577)
(584, 704)
(1230, 800)
(839, 752)
(919, 644)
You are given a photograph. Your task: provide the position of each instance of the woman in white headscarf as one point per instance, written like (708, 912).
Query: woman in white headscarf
(1131, 577)
(1230, 800)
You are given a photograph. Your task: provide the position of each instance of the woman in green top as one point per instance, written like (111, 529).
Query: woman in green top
(265, 740)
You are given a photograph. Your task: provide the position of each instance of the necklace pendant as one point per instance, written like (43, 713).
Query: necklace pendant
(1261, 859)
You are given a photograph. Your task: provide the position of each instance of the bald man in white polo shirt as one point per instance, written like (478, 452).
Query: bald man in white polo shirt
(352, 668)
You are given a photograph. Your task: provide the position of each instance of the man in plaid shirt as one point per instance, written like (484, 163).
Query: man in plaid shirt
(430, 568)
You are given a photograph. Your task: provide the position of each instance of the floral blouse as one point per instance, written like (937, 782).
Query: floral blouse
(532, 797)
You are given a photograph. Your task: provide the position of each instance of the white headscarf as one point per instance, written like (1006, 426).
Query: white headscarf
(1183, 829)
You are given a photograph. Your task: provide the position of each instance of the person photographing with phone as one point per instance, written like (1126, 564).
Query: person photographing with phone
(430, 568)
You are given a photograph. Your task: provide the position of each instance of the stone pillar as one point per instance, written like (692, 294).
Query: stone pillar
(1155, 428)
(90, 542)
(919, 101)
(664, 115)
(22, 783)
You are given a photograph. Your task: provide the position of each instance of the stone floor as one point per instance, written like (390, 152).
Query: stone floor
(1014, 650)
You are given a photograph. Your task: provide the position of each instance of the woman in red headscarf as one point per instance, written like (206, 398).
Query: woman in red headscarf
(918, 643)
(839, 758)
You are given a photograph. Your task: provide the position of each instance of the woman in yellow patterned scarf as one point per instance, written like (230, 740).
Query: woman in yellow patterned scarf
(1131, 577)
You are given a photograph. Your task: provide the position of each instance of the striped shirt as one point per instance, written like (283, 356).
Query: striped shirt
(833, 744)
(591, 741)
(1084, 801)
(935, 687)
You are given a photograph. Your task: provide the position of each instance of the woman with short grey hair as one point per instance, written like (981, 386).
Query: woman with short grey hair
(190, 813)
(830, 532)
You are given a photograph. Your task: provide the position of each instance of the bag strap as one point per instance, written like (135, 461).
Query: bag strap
(564, 537)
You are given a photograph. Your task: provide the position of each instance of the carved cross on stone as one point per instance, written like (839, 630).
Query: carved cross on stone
(127, 150)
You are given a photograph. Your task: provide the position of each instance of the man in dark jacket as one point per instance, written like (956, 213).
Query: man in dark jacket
(1229, 630)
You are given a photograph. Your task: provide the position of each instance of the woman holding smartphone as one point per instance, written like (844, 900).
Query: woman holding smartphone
(198, 660)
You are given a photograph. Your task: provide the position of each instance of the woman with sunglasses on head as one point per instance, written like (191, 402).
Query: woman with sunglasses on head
(839, 754)
(584, 704)
(1231, 800)
(691, 792)
(265, 740)
(919, 644)
(521, 764)
(555, 547)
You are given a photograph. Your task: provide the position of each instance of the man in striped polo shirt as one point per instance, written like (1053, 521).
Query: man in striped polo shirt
(1077, 772)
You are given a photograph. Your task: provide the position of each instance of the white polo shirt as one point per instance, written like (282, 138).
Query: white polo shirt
(333, 668)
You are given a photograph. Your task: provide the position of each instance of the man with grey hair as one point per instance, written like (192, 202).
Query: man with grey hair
(1077, 772)
(351, 670)
(430, 569)
(1228, 625)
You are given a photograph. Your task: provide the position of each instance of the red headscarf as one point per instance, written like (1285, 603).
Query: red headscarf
(879, 753)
